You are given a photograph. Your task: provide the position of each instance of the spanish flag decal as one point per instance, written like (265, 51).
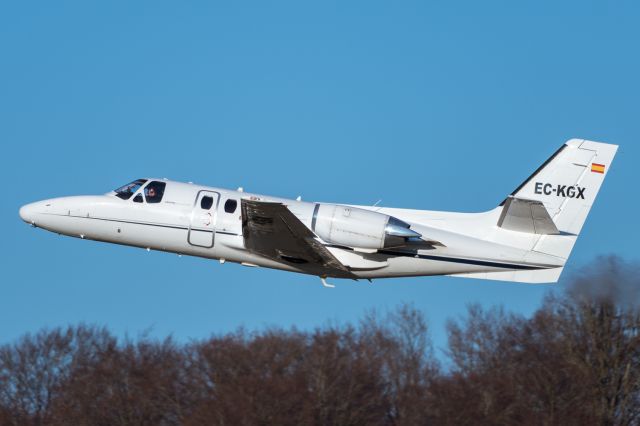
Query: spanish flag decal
(597, 168)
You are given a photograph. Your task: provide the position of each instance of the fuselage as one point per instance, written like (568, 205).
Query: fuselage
(207, 222)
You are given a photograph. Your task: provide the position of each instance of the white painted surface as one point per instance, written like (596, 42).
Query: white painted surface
(474, 246)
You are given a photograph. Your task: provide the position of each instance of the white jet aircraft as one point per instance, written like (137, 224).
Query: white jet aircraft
(527, 238)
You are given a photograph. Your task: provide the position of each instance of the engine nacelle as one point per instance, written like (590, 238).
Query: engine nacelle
(354, 227)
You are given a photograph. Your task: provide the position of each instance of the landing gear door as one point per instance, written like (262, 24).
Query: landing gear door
(202, 229)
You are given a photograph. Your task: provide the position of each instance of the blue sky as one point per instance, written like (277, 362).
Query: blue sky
(431, 105)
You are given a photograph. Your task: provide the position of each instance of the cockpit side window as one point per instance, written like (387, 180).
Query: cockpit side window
(125, 192)
(154, 191)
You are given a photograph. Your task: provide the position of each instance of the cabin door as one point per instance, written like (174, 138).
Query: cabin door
(202, 230)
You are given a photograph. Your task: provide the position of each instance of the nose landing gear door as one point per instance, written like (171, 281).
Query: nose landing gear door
(202, 229)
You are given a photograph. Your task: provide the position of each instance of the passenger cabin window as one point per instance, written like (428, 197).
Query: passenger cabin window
(206, 202)
(154, 191)
(230, 206)
(125, 192)
(137, 198)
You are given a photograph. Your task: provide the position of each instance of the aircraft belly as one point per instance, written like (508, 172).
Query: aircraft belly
(412, 266)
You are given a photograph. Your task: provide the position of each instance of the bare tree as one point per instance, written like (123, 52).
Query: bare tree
(402, 338)
(575, 361)
(35, 370)
(600, 318)
(133, 383)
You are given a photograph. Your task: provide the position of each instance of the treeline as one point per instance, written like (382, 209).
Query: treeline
(574, 361)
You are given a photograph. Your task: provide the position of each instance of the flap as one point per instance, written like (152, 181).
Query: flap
(355, 260)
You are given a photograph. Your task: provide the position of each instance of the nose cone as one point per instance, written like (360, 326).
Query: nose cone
(27, 213)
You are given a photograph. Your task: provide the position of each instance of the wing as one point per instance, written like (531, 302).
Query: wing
(271, 230)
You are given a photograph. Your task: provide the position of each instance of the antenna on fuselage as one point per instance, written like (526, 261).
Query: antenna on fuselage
(323, 280)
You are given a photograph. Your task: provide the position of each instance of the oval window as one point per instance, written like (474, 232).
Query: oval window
(206, 202)
(230, 206)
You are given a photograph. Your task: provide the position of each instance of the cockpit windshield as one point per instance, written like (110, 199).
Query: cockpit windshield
(125, 192)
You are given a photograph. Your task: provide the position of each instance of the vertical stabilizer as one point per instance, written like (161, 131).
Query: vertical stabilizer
(567, 185)
(552, 205)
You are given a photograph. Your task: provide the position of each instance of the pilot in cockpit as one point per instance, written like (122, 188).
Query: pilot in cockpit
(150, 192)
(153, 191)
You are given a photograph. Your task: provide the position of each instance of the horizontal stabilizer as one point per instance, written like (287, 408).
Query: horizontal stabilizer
(528, 216)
